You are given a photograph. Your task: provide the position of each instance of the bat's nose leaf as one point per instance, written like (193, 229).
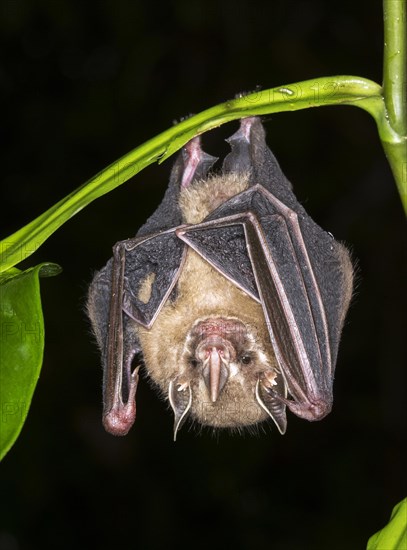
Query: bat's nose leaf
(215, 375)
(180, 397)
(273, 407)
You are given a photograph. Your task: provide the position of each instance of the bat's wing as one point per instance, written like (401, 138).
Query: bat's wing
(157, 259)
(276, 269)
(302, 277)
(133, 287)
(156, 254)
(116, 301)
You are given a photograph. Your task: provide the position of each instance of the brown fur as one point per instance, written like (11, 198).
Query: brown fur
(202, 197)
(144, 293)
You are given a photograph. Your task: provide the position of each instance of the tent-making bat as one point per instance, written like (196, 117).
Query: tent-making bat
(231, 294)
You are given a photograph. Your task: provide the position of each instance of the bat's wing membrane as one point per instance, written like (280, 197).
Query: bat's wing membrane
(158, 259)
(284, 281)
(225, 249)
(134, 286)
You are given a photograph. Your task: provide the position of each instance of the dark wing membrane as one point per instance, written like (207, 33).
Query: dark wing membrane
(330, 260)
(224, 247)
(114, 305)
(158, 258)
(286, 285)
(294, 316)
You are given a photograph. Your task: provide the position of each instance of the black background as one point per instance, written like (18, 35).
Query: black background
(83, 83)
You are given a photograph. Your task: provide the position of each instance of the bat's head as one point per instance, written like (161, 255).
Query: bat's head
(228, 377)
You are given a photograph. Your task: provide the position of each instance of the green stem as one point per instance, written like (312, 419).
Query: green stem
(395, 64)
(394, 91)
(336, 90)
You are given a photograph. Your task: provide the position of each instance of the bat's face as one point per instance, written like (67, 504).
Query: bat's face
(219, 362)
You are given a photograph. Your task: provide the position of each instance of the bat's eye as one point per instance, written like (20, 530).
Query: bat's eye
(246, 359)
(194, 363)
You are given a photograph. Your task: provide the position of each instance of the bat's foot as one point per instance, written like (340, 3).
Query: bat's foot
(196, 162)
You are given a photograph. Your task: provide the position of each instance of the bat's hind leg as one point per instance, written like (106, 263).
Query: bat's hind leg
(196, 162)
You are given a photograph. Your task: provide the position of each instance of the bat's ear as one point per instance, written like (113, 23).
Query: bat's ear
(180, 397)
(273, 406)
(251, 154)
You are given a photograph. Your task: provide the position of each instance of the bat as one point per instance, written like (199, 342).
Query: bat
(231, 296)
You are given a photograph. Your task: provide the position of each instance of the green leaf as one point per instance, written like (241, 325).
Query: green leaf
(394, 535)
(21, 346)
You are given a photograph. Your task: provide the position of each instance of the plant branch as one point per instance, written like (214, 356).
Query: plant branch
(395, 64)
(337, 90)
(394, 92)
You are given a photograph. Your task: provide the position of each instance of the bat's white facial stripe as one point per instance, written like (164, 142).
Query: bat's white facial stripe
(234, 370)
